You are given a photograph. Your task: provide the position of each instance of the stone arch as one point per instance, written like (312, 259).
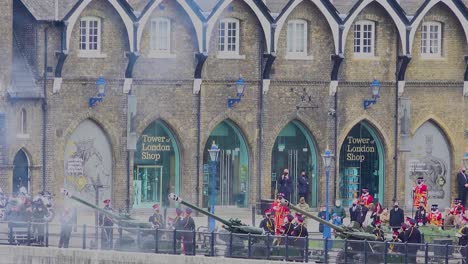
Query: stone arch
(71, 18)
(426, 8)
(264, 21)
(332, 22)
(395, 14)
(439, 124)
(194, 18)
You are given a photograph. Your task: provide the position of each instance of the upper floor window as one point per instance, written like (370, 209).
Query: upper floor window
(228, 41)
(297, 37)
(90, 34)
(364, 38)
(160, 35)
(431, 38)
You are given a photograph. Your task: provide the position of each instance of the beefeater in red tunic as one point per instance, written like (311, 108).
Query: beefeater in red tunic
(435, 217)
(281, 212)
(366, 197)
(420, 194)
(458, 208)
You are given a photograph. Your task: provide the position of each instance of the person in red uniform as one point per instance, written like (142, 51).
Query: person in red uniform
(435, 217)
(366, 197)
(458, 208)
(420, 194)
(280, 212)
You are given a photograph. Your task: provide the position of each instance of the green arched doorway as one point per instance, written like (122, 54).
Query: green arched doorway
(361, 164)
(232, 176)
(295, 150)
(156, 170)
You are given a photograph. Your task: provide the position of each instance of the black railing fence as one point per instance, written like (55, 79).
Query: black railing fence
(199, 242)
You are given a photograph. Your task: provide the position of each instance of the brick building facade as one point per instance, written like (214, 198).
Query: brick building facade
(308, 67)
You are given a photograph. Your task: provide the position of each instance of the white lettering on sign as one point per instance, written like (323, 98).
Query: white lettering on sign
(152, 145)
(356, 146)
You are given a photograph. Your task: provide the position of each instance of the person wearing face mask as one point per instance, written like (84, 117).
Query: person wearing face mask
(303, 185)
(421, 216)
(397, 217)
(462, 180)
(354, 211)
(420, 193)
(339, 210)
(303, 206)
(366, 197)
(285, 185)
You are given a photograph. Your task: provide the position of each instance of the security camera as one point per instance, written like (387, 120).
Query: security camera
(331, 112)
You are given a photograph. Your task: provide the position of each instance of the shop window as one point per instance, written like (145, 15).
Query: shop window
(431, 39)
(364, 38)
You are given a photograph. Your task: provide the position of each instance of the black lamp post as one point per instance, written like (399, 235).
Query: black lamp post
(240, 87)
(375, 90)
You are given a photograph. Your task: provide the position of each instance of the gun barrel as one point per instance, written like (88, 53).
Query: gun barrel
(176, 198)
(316, 218)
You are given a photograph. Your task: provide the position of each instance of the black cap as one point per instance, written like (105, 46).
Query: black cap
(420, 178)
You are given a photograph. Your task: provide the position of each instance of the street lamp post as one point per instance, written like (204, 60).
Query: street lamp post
(214, 154)
(375, 90)
(327, 158)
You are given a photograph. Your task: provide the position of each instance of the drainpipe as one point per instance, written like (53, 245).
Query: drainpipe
(44, 110)
(197, 188)
(395, 157)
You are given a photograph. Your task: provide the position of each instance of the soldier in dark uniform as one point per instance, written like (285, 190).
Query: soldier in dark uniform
(300, 232)
(156, 219)
(268, 224)
(39, 214)
(189, 227)
(287, 230)
(177, 223)
(421, 216)
(106, 224)
(66, 220)
(401, 234)
(378, 232)
(394, 247)
(463, 239)
(412, 235)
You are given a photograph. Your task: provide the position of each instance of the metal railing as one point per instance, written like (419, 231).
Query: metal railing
(216, 244)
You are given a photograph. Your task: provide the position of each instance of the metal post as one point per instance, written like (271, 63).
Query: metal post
(386, 252)
(120, 237)
(253, 215)
(406, 252)
(194, 237)
(446, 253)
(213, 195)
(174, 244)
(47, 234)
(346, 250)
(306, 253)
(426, 253)
(287, 247)
(138, 238)
(365, 251)
(212, 244)
(268, 245)
(84, 236)
(156, 240)
(29, 233)
(249, 240)
(230, 244)
(326, 229)
(325, 251)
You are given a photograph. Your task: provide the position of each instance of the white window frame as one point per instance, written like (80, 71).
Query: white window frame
(426, 41)
(87, 52)
(291, 41)
(223, 40)
(358, 43)
(156, 52)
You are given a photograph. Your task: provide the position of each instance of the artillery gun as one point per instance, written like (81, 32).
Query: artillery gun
(126, 223)
(355, 246)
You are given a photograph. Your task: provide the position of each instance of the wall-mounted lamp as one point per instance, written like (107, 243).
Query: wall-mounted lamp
(101, 87)
(375, 89)
(240, 87)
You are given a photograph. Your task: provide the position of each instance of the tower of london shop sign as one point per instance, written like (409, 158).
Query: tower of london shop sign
(152, 145)
(357, 147)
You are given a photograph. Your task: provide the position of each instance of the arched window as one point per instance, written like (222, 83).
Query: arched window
(23, 122)
(431, 39)
(90, 34)
(364, 38)
(160, 40)
(297, 37)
